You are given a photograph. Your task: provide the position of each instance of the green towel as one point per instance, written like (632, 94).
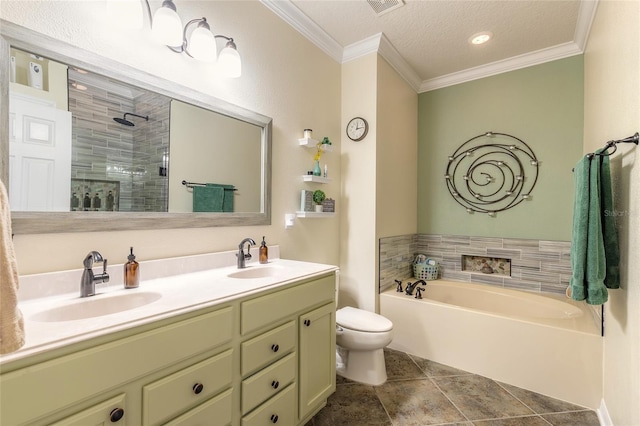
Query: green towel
(594, 254)
(228, 196)
(208, 199)
(610, 233)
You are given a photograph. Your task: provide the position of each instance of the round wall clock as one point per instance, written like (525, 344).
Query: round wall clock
(357, 129)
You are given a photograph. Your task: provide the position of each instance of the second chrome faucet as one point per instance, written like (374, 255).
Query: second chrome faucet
(241, 255)
(89, 279)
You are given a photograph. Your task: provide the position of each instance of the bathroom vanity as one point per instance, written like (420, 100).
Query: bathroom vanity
(251, 347)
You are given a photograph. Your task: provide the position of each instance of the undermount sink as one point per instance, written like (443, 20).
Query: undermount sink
(255, 272)
(96, 306)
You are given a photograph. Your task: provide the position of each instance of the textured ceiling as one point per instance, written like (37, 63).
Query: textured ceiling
(430, 37)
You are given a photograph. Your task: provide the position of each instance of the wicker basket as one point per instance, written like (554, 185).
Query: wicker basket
(425, 268)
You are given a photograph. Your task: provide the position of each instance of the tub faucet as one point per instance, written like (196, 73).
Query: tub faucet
(410, 287)
(419, 291)
(242, 257)
(399, 286)
(89, 279)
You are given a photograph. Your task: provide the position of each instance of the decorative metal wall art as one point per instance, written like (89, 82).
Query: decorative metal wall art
(492, 172)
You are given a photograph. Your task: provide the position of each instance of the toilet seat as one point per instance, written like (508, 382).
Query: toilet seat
(361, 320)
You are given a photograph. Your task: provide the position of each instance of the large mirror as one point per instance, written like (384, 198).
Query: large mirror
(142, 153)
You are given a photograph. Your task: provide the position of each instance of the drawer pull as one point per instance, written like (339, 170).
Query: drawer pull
(307, 322)
(116, 414)
(274, 418)
(275, 348)
(197, 388)
(275, 384)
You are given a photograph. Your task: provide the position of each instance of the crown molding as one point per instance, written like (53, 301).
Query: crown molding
(379, 43)
(586, 14)
(541, 56)
(305, 26)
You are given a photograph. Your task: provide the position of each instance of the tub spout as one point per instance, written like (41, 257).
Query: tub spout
(410, 287)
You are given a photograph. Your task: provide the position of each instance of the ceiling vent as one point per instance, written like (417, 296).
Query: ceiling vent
(384, 6)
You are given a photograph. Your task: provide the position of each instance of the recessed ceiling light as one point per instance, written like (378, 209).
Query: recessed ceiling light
(481, 38)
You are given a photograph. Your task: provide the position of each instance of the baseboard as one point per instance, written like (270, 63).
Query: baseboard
(603, 414)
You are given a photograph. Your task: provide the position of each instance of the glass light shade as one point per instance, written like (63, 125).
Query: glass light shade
(125, 14)
(230, 63)
(167, 27)
(202, 45)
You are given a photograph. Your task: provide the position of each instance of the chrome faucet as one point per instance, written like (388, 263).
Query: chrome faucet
(242, 257)
(89, 279)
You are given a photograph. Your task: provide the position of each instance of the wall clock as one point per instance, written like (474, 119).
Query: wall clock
(357, 129)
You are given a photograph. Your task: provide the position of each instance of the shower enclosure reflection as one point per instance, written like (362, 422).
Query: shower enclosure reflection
(120, 145)
(119, 157)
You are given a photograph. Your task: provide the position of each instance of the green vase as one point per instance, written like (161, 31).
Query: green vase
(316, 169)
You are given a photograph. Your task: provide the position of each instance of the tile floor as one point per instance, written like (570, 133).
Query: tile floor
(423, 392)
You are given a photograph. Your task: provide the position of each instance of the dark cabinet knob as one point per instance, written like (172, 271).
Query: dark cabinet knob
(275, 348)
(274, 418)
(197, 388)
(116, 414)
(275, 384)
(307, 322)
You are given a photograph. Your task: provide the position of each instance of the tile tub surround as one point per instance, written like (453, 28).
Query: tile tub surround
(536, 265)
(422, 392)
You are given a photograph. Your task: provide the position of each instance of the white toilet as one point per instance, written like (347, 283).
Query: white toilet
(361, 336)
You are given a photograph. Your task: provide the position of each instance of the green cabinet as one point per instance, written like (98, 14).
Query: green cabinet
(238, 363)
(317, 358)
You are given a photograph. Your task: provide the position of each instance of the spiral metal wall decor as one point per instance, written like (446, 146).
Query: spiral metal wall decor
(492, 172)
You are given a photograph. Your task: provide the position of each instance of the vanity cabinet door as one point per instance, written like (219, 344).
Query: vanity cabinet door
(317, 374)
(110, 412)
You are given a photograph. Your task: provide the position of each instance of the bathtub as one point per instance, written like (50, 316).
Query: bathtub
(544, 343)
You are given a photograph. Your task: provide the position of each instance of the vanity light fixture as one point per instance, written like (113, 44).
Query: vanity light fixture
(166, 27)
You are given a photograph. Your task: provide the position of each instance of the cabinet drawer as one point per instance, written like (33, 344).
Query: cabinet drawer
(163, 399)
(216, 410)
(273, 307)
(268, 382)
(280, 409)
(112, 411)
(79, 376)
(268, 347)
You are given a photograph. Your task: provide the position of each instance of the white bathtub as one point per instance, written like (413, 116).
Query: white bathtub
(547, 344)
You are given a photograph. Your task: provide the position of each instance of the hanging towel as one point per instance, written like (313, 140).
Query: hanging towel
(590, 246)
(11, 322)
(208, 199)
(227, 203)
(609, 231)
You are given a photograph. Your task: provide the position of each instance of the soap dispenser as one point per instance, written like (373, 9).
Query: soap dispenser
(264, 252)
(131, 272)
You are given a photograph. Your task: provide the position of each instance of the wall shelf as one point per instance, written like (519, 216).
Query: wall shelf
(312, 143)
(308, 142)
(315, 215)
(316, 179)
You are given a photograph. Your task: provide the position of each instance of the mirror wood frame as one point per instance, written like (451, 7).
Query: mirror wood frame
(12, 35)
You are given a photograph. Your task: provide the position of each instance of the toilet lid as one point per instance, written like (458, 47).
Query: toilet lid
(361, 320)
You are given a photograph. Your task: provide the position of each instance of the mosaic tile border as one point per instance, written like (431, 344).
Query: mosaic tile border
(536, 265)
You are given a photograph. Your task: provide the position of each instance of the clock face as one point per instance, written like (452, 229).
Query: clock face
(357, 129)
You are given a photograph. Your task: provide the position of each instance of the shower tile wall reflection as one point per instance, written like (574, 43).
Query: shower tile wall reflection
(103, 150)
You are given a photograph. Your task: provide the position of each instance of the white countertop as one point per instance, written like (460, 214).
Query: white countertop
(181, 293)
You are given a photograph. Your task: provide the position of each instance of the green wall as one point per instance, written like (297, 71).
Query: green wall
(543, 106)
